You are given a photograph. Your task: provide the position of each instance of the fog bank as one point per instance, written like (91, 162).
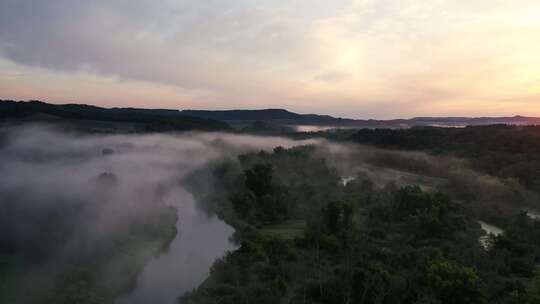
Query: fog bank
(63, 194)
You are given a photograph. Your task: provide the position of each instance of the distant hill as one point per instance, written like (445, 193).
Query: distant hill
(145, 119)
(513, 120)
(287, 117)
(262, 115)
(164, 119)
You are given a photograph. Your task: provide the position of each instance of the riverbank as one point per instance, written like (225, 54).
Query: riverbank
(99, 278)
(115, 273)
(201, 239)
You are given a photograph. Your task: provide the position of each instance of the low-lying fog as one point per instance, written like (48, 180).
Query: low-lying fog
(45, 172)
(312, 128)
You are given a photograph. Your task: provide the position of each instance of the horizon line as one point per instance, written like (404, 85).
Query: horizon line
(265, 109)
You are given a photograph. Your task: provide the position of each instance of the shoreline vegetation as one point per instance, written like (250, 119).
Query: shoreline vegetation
(306, 237)
(108, 271)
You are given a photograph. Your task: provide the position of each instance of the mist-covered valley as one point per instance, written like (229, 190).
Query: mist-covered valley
(94, 209)
(140, 218)
(269, 152)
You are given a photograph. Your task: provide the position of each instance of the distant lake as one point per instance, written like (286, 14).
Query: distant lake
(199, 242)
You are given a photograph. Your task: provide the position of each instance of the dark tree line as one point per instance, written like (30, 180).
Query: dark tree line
(499, 150)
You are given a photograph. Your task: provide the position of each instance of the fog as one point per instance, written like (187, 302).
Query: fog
(41, 166)
(93, 187)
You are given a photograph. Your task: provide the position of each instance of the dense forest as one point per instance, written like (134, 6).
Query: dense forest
(308, 236)
(500, 150)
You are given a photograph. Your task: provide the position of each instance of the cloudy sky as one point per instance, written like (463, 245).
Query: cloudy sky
(352, 58)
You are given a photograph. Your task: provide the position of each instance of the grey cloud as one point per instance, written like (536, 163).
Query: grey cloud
(192, 45)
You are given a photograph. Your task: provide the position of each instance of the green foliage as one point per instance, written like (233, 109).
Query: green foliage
(98, 276)
(454, 284)
(291, 230)
(500, 150)
(259, 179)
(371, 284)
(533, 293)
(308, 239)
(337, 217)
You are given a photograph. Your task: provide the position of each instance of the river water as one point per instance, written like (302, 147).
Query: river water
(199, 242)
(490, 230)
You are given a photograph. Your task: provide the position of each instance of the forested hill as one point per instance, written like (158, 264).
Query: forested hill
(286, 116)
(264, 114)
(164, 119)
(150, 119)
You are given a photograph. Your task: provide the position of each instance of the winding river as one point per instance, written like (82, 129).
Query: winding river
(200, 241)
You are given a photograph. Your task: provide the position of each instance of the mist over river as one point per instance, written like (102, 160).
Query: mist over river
(72, 199)
(200, 241)
(81, 199)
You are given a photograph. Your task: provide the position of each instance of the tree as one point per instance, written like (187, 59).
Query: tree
(454, 284)
(259, 179)
(533, 294)
(337, 217)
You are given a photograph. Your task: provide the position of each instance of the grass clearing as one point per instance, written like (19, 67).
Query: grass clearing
(286, 230)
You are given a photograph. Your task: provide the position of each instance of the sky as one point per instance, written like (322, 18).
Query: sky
(348, 58)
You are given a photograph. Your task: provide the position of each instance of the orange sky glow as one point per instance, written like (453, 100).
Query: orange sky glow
(354, 58)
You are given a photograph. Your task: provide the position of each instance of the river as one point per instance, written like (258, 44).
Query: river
(490, 230)
(199, 242)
